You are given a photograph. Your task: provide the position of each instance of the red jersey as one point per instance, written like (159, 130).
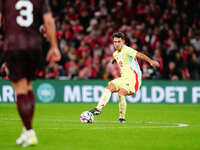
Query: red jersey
(21, 22)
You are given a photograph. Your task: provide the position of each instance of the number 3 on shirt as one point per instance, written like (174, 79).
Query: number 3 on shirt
(25, 18)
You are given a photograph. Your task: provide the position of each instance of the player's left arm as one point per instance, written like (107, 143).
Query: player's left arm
(152, 62)
(49, 24)
(142, 56)
(53, 53)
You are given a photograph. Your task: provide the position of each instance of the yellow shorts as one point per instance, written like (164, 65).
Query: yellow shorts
(130, 83)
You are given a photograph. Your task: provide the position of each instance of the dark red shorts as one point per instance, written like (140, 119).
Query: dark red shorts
(22, 63)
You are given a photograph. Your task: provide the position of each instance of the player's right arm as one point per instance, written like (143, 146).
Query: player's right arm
(114, 58)
(113, 61)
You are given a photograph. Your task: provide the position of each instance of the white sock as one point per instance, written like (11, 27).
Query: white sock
(122, 106)
(104, 99)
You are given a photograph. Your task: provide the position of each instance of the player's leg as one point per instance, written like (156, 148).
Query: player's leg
(125, 89)
(24, 103)
(21, 90)
(32, 99)
(25, 106)
(20, 86)
(104, 98)
(31, 138)
(129, 87)
(34, 56)
(20, 67)
(106, 95)
(122, 104)
(28, 67)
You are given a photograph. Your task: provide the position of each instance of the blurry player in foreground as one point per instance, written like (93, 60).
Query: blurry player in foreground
(131, 75)
(21, 20)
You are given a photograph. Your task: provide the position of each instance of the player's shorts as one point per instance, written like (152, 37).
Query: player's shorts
(130, 83)
(22, 63)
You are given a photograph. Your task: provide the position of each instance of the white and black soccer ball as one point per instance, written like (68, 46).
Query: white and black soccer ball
(87, 117)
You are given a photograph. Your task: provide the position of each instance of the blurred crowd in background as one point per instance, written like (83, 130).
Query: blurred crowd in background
(165, 30)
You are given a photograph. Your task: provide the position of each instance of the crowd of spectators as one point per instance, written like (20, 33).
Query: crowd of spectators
(165, 30)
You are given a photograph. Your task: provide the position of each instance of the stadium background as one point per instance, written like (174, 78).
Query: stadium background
(166, 30)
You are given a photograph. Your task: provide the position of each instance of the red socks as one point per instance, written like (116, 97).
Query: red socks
(25, 106)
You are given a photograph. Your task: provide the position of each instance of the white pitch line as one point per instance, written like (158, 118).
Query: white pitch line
(183, 125)
(177, 125)
(161, 124)
(130, 127)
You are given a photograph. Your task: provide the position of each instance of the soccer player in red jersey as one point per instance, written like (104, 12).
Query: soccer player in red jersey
(20, 21)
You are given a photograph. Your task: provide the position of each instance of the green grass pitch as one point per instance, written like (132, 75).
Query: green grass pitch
(148, 127)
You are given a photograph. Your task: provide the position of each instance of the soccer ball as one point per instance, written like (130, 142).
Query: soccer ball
(87, 117)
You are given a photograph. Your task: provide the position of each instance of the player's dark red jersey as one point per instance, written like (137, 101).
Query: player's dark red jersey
(21, 22)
